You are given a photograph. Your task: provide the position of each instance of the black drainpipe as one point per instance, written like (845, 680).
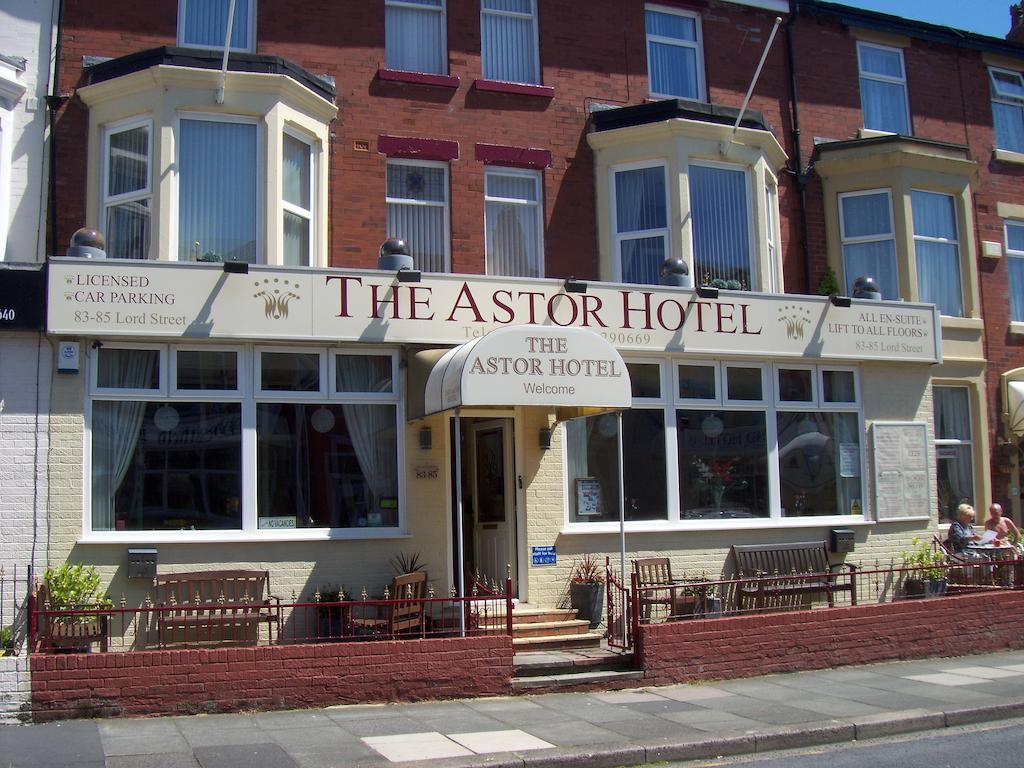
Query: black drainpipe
(801, 178)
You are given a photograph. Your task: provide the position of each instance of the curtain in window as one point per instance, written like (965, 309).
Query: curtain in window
(673, 67)
(954, 464)
(938, 262)
(508, 41)
(513, 225)
(205, 23)
(127, 222)
(1009, 124)
(116, 427)
(371, 427)
(640, 206)
(721, 229)
(217, 197)
(866, 216)
(296, 193)
(1015, 266)
(414, 37)
(417, 199)
(884, 103)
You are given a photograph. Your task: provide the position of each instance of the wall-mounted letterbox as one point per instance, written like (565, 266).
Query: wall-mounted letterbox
(841, 540)
(141, 563)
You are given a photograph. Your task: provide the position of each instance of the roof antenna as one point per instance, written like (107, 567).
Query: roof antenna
(227, 43)
(725, 145)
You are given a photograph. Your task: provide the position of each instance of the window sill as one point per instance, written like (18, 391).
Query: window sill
(418, 78)
(962, 323)
(239, 537)
(664, 526)
(871, 133)
(518, 89)
(1008, 156)
(1017, 329)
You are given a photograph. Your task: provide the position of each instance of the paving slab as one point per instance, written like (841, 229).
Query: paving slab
(73, 742)
(145, 745)
(153, 761)
(250, 756)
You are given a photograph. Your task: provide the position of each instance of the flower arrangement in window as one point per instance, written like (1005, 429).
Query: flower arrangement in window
(719, 477)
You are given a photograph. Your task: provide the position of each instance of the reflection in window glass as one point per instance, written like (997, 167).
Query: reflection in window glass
(592, 456)
(723, 464)
(743, 383)
(213, 370)
(819, 464)
(839, 386)
(697, 382)
(869, 244)
(641, 223)
(127, 368)
(326, 466)
(166, 466)
(362, 373)
(795, 385)
(645, 379)
(290, 371)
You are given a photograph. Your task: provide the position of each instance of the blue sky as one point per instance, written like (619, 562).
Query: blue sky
(987, 17)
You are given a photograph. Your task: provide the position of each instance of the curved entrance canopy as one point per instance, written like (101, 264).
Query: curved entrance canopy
(1014, 400)
(573, 370)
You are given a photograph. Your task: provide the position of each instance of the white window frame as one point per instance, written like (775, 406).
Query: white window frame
(107, 200)
(532, 16)
(967, 443)
(249, 22)
(796, 405)
(259, 161)
(1013, 254)
(446, 205)
(699, 401)
(766, 390)
(877, 238)
(1007, 99)
(130, 394)
(640, 234)
(697, 45)
(537, 206)
(853, 405)
(289, 394)
(242, 375)
(901, 81)
(369, 397)
(420, 6)
(771, 218)
(941, 240)
(752, 263)
(294, 209)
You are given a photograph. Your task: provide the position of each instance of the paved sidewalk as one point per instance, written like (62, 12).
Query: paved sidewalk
(601, 730)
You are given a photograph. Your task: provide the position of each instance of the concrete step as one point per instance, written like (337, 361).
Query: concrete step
(563, 662)
(541, 615)
(543, 628)
(557, 642)
(579, 681)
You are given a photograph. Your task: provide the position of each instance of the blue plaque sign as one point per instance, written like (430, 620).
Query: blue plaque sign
(543, 555)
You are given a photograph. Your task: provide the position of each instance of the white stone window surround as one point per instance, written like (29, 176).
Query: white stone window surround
(11, 91)
(248, 396)
(672, 402)
(164, 94)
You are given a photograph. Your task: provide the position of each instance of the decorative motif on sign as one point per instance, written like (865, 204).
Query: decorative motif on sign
(795, 319)
(276, 295)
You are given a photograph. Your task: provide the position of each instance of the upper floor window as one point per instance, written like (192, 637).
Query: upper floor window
(641, 222)
(771, 207)
(937, 251)
(297, 201)
(868, 239)
(217, 190)
(417, 203)
(675, 60)
(883, 88)
(1008, 108)
(720, 222)
(127, 194)
(1015, 266)
(508, 32)
(514, 222)
(204, 24)
(414, 36)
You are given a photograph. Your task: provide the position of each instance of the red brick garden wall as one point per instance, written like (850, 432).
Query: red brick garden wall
(276, 677)
(787, 642)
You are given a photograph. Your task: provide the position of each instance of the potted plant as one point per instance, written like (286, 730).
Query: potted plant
(75, 587)
(925, 576)
(586, 589)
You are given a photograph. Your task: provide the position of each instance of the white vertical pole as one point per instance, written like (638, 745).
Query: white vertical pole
(460, 577)
(622, 511)
(227, 45)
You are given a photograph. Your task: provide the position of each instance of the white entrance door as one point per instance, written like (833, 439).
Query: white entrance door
(494, 527)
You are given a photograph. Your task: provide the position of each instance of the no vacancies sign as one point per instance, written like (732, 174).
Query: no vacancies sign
(171, 300)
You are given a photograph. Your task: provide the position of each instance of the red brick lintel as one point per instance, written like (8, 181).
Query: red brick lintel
(519, 89)
(516, 157)
(418, 149)
(418, 78)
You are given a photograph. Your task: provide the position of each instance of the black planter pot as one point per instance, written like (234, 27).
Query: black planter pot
(924, 588)
(588, 601)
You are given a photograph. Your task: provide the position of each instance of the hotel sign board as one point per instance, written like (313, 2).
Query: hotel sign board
(121, 298)
(22, 297)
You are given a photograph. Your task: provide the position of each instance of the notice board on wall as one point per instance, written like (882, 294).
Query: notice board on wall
(903, 483)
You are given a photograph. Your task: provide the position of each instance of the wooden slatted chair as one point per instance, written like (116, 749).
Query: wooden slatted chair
(656, 572)
(403, 613)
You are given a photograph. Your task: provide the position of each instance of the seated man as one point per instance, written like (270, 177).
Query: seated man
(1005, 529)
(961, 531)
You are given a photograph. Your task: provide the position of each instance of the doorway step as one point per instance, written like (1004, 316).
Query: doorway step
(580, 670)
(548, 629)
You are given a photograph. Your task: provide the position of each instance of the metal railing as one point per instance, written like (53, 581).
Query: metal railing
(621, 616)
(15, 588)
(121, 627)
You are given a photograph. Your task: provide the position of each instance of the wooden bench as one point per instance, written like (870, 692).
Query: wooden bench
(215, 608)
(807, 560)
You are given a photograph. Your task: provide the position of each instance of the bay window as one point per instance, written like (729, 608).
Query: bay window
(937, 251)
(720, 223)
(417, 210)
(203, 24)
(883, 88)
(170, 446)
(953, 448)
(868, 240)
(675, 59)
(508, 41)
(514, 222)
(1007, 90)
(727, 442)
(127, 194)
(641, 222)
(414, 36)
